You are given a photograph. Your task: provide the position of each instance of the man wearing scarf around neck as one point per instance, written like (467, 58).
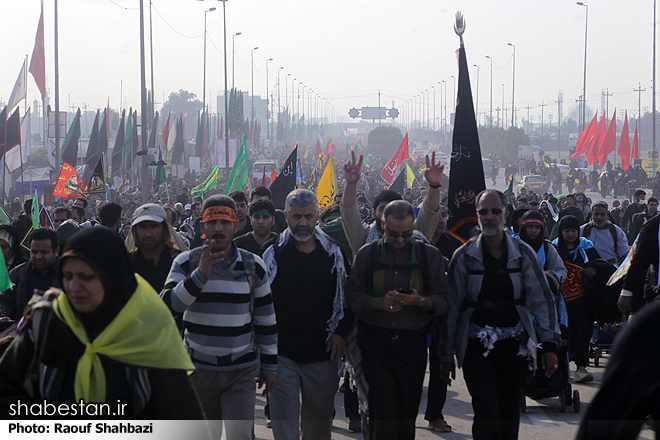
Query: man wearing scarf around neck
(307, 273)
(497, 284)
(397, 285)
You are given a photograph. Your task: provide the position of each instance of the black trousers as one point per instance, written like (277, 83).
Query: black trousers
(394, 364)
(495, 384)
(351, 404)
(581, 325)
(437, 387)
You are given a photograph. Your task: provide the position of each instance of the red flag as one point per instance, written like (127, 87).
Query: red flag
(263, 178)
(318, 149)
(38, 61)
(635, 150)
(221, 134)
(608, 142)
(389, 170)
(166, 129)
(329, 148)
(594, 142)
(624, 145)
(583, 141)
(68, 183)
(251, 132)
(273, 175)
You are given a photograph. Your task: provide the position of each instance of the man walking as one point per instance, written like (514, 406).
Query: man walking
(608, 239)
(396, 286)
(228, 317)
(262, 218)
(497, 284)
(307, 273)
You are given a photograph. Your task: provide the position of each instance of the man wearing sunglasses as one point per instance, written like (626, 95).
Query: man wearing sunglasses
(497, 284)
(397, 284)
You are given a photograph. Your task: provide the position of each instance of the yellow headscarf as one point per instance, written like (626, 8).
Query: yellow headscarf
(142, 334)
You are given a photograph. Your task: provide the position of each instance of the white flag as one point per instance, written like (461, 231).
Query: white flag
(171, 136)
(20, 88)
(14, 155)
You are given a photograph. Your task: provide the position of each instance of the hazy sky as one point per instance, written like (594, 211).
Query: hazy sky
(345, 50)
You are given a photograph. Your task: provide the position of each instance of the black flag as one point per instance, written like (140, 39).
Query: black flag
(3, 131)
(199, 139)
(13, 131)
(285, 182)
(399, 183)
(103, 134)
(177, 149)
(466, 178)
(118, 150)
(94, 145)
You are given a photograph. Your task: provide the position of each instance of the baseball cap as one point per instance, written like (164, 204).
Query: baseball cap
(149, 212)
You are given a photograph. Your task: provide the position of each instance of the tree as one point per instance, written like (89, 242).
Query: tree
(385, 139)
(182, 102)
(499, 141)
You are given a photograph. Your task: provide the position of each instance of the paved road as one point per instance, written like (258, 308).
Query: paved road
(541, 421)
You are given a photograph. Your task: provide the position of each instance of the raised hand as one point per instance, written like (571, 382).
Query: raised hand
(434, 171)
(352, 168)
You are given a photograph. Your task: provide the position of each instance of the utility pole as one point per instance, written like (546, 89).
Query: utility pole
(528, 108)
(639, 111)
(559, 102)
(607, 95)
(543, 104)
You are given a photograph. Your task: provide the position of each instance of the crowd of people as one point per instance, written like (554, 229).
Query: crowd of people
(120, 301)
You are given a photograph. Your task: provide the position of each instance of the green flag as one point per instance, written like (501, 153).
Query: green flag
(210, 182)
(160, 177)
(239, 173)
(5, 282)
(128, 133)
(35, 210)
(367, 159)
(4, 218)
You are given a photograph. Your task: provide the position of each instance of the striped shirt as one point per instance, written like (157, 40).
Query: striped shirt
(224, 320)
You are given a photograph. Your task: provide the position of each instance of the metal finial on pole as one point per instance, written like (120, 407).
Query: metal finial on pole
(459, 26)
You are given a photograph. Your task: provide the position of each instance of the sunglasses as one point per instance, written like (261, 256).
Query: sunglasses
(393, 234)
(495, 211)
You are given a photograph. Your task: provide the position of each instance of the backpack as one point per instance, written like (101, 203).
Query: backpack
(373, 265)
(488, 305)
(586, 232)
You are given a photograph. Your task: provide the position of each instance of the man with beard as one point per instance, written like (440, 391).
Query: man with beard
(358, 233)
(153, 244)
(307, 273)
(497, 284)
(262, 218)
(397, 285)
(608, 239)
(38, 273)
(224, 295)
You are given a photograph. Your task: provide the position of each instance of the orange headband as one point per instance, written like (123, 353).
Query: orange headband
(219, 213)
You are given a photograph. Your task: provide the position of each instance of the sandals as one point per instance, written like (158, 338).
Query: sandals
(440, 426)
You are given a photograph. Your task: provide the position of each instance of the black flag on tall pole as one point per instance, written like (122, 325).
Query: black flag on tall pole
(94, 146)
(285, 182)
(466, 178)
(118, 149)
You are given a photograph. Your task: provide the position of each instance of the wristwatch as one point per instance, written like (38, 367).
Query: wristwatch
(421, 301)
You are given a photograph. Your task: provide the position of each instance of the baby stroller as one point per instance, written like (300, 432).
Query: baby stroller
(538, 386)
(602, 339)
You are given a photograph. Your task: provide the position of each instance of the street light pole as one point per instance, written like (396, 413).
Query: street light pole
(279, 106)
(433, 87)
(252, 112)
(224, 24)
(233, 54)
(584, 87)
(513, 87)
(490, 123)
(286, 95)
(476, 108)
(204, 85)
(270, 116)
